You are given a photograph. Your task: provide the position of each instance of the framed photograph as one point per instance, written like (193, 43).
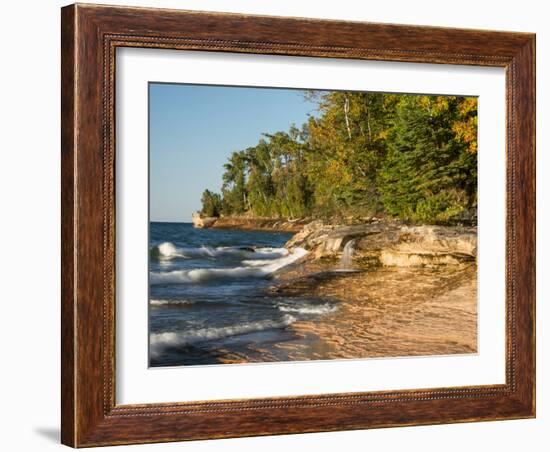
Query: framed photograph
(282, 225)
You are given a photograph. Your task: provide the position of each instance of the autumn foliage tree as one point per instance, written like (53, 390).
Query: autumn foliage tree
(430, 171)
(411, 157)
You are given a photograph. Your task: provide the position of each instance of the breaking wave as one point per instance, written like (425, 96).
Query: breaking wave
(265, 269)
(168, 250)
(167, 302)
(159, 341)
(302, 308)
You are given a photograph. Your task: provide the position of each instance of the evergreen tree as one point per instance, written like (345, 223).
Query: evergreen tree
(428, 175)
(407, 156)
(211, 204)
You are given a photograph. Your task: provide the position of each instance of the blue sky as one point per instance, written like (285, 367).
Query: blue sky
(194, 128)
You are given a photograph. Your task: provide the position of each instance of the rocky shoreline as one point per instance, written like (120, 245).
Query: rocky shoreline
(389, 243)
(407, 291)
(393, 289)
(249, 223)
(385, 311)
(374, 242)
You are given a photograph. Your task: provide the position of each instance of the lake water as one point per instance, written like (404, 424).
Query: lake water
(209, 299)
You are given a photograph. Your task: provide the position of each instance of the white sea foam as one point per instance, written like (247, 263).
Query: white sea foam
(252, 253)
(161, 302)
(210, 274)
(159, 341)
(257, 262)
(168, 250)
(324, 308)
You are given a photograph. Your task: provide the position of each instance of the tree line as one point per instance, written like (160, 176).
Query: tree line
(412, 157)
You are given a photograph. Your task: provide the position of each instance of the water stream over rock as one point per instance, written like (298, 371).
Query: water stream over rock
(347, 255)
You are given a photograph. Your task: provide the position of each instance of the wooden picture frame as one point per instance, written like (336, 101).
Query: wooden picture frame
(90, 36)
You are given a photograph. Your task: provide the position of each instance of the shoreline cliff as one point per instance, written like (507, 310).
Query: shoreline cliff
(372, 242)
(249, 223)
(389, 243)
(406, 290)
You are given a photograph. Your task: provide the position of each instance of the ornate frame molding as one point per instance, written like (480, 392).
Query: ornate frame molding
(90, 37)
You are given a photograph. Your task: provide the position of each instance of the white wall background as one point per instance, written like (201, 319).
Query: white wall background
(29, 230)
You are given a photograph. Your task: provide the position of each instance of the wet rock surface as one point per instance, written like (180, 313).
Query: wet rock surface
(390, 244)
(382, 289)
(249, 223)
(377, 312)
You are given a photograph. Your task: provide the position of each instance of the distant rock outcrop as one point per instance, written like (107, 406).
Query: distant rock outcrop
(245, 222)
(202, 222)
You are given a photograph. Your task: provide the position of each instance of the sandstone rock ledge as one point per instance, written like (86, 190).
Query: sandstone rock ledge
(390, 244)
(249, 223)
(202, 222)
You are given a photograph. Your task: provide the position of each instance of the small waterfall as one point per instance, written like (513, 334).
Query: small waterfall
(347, 255)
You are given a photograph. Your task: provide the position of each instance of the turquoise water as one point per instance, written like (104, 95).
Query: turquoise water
(208, 298)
